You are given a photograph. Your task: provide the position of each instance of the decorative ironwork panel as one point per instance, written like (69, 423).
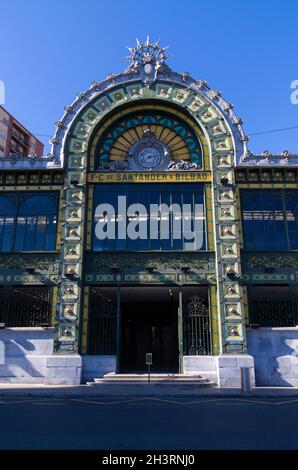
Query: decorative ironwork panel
(14, 268)
(135, 268)
(273, 307)
(102, 338)
(196, 328)
(25, 306)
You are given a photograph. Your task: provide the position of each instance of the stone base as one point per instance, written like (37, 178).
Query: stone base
(97, 366)
(23, 354)
(275, 351)
(205, 366)
(229, 370)
(63, 370)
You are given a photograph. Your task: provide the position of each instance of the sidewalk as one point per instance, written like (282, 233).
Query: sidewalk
(138, 390)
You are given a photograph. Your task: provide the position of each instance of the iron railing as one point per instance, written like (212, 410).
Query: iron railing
(273, 308)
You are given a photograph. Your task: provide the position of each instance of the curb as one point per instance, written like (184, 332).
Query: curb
(144, 393)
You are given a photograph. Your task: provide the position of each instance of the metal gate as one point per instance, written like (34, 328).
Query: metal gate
(103, 310)
(196, 328)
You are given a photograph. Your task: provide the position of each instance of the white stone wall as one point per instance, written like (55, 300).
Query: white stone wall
(230, 370)
(205, 366)
(26, 356)
(23, 354)
(275, 352)
(63, 369)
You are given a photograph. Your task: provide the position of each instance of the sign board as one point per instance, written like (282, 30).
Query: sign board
(148, 358)
(151, 177)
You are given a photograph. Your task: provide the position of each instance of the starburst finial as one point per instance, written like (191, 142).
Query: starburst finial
(148, 59)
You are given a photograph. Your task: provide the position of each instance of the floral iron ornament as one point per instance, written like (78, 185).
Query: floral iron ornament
(147, 59)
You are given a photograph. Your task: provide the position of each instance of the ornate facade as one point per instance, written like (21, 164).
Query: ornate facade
(153, 136)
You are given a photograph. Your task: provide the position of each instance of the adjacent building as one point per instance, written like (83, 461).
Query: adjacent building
(15, 139)
(149, 228)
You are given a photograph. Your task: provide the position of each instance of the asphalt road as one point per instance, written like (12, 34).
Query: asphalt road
(145, 423)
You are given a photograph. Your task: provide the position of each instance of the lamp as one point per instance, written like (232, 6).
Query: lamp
(269, 269)
(185, 269)
(231, 274)
(30, 270)
(150, 269)
(115, 269)
(69, 275)
(74, 181)
(224, 179)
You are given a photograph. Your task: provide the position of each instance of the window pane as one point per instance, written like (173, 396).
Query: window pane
(7, 209)
(20, 234)
(156, 222)
(291, 202)
(8, 228)
(28, 221)
(51, 233)
(264, 221)
(36, 224)
(41, 232)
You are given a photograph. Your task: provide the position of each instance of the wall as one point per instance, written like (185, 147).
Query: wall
(205, 366)
(23, 354)
(275, 351)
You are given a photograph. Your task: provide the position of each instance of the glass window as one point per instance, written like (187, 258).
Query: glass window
(7, 211)
(270, 219)
(149, 217)
(28, 221)
(291, 203)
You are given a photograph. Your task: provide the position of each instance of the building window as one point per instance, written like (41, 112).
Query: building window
(273, 306)
(270, 219)
(25, 306)
(135, 217)
(28, 221)
(168, 131)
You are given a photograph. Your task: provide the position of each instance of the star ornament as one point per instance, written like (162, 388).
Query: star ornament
(147, 53)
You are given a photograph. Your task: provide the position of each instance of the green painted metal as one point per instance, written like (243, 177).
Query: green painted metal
(180, 330)
(118, 330)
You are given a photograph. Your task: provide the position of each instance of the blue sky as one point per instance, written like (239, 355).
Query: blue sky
(52, 49)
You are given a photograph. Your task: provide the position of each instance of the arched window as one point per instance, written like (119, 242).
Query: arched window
(28, 222)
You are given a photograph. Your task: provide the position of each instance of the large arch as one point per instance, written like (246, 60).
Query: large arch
(225, 143)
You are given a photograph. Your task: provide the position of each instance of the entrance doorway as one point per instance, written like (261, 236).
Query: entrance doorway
(128, 322)
(149, 324)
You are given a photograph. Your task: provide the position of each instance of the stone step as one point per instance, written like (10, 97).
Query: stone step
(155, 379)
(153, 376)
(166, 382)
(142, 385)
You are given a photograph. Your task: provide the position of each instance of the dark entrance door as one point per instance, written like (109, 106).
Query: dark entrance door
(149, 326)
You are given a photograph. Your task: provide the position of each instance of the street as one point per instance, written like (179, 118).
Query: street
(148, 423)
